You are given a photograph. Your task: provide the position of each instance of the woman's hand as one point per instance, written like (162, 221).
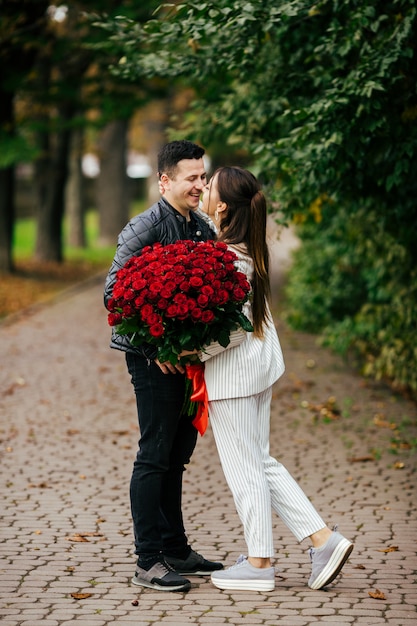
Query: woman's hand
(168, 368)
(188, 353)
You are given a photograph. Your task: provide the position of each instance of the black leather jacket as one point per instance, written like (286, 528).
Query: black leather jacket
(161, 222)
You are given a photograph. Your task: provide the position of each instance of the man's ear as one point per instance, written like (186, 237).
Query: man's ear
(165, 180)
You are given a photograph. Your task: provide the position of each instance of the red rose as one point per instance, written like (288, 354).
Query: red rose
(118, 292)
(182, 310)
(155, 287)
(146, 311)
(180, 298)
(153, 319)
(238, 294)
(157, 330)
(207, 290)
(207, 316)
(162, 303)
(138, 284)
(171, 310)
(195, 281)
(196, 314)
(129, 294)
(223, 296)
(114, 319)
(202, 300)
(184, 285)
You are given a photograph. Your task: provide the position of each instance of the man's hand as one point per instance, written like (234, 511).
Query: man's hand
(168, 368)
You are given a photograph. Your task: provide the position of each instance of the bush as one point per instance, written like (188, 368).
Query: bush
(356, 285)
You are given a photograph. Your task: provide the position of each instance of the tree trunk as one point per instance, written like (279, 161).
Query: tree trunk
(112, 183)
(7, 206)
(6, 219)
(49, 237)
(74, 193)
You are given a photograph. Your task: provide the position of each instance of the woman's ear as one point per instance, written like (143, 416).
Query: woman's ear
(221, 207)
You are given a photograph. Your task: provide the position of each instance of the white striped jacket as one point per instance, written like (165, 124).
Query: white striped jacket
(248, 365)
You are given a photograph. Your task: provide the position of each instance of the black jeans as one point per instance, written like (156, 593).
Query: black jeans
(167, 440)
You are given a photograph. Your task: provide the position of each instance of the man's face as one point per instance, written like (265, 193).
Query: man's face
(184, 189)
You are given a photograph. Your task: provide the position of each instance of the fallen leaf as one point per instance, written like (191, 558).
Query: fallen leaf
(83, 536)
(390, 549)
(81, 596)
(377, 594)
(399, 465)
(361, 459)
(359, 567)
(383, 423)
(39, 486)
(76, 538)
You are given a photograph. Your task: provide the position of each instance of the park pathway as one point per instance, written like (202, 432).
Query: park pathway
(68, 438)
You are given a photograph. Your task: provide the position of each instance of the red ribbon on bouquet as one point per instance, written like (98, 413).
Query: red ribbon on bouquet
(195, 372)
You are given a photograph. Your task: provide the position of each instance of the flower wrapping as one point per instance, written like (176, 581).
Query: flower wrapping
(181, 296)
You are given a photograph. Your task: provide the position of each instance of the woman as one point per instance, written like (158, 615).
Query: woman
(239, 382)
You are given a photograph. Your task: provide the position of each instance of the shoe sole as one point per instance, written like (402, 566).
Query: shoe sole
(244, 585)
(336, 562)
(139, 582)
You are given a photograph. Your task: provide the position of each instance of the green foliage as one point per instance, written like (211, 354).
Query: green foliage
(323, 96)
(15, 149)
(358, 286)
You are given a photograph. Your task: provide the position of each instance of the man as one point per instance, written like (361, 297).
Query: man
(167, 438)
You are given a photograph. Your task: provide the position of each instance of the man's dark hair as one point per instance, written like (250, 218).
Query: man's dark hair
(175, 151)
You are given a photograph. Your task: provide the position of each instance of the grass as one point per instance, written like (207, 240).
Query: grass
(35, 282)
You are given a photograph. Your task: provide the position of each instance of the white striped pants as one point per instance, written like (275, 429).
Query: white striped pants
(257, 481)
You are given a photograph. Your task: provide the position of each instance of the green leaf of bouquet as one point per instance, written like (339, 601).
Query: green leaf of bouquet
(185, 340)
(173, 358)
(245, 323)
(223, 338)
(127, 326)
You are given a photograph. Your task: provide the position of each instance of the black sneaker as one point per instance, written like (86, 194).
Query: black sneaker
(193, 564)
(160, 576)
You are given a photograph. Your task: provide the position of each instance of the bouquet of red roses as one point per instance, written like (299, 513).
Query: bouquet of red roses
(180, 297)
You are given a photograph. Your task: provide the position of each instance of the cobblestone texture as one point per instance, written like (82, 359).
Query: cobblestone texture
(68, 438)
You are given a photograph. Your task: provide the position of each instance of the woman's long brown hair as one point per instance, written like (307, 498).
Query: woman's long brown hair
(245, 222)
